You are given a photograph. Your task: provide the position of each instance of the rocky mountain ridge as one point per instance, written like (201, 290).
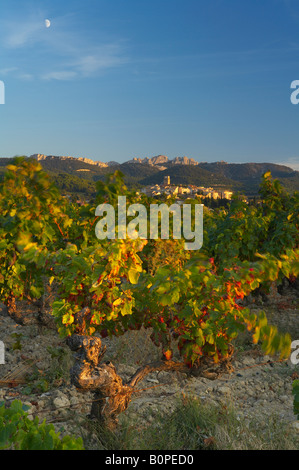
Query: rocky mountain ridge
(41, 157)
(157, 160)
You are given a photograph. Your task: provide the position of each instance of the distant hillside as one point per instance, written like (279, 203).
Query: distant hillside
(136, 173)
(250, 174)
(66, 182)
(196, 175)
(75, 167)
(79, 176)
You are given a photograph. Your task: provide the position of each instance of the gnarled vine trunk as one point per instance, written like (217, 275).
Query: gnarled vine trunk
(26, 312)
(111, 395)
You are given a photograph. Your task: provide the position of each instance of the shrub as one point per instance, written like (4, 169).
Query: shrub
(18, 432)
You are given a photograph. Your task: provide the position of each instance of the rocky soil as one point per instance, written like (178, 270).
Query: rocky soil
(37, 362)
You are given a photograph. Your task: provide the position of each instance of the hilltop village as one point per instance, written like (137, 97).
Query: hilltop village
(178, 191)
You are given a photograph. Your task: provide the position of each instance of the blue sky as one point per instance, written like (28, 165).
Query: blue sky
(117, 79)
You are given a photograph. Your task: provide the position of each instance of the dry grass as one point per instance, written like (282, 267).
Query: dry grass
(197, 426)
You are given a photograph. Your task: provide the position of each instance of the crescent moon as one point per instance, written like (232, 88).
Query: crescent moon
(47, 23)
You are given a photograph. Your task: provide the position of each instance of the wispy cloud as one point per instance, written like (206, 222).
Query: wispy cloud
(8, 70)
(68, 53)
(59, 75)
(22, 34)
(88, 63)
(107, 56)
